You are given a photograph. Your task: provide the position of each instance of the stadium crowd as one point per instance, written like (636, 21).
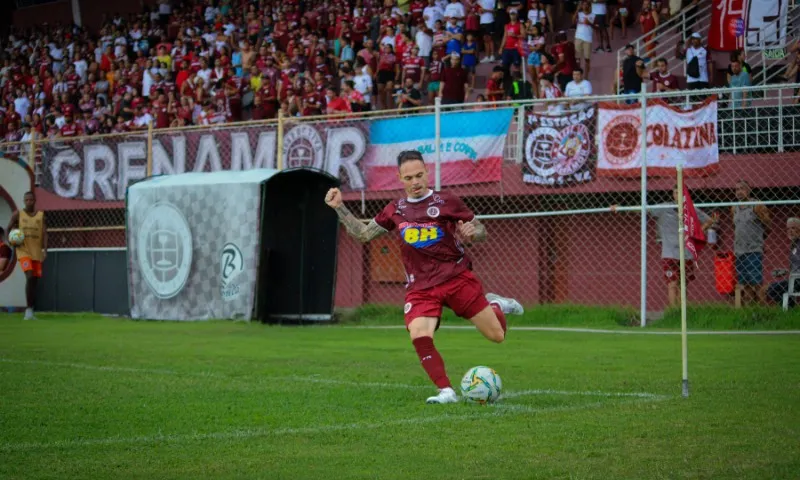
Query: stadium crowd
(205, 62)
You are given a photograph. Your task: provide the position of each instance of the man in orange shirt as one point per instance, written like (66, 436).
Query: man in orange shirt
(33, 251)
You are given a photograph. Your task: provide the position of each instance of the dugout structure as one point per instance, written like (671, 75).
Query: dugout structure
(255, 244)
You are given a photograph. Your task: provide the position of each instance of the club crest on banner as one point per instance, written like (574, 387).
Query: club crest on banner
(304, 148)
(620, 139)
(558, 149)
(164, 250)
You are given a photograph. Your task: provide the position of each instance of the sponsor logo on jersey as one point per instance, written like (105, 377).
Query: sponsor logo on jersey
(421, 235)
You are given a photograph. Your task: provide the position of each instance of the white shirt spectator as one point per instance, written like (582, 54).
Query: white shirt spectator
(120, 47)
(583, 31)
(578, 89)
(211, 13)
(454, 9)
(425, 43)
(599, 8)
(537, 16)
(22, 106)
(164, 8)
(363, 83)
(205, 75)
(702, 59)
(143, 120)
(582, 89)
(432, 13)
(81, 67)
(487, 17)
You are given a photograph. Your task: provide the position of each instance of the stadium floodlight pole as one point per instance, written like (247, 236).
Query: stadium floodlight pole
(643, 216)
(437, 115)
(682, 256)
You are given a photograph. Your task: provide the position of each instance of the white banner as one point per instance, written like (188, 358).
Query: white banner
(767, 22)
(673, 136)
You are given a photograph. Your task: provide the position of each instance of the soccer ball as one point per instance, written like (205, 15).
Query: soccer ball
(16, 237)
(481, 385)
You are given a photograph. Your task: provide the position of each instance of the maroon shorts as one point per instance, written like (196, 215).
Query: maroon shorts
(672, 269)
(463, 294)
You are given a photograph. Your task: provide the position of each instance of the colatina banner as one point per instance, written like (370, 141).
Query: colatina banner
(471, 146)
(360, 152)
(560, 149)
(673, 136)
(755, 24)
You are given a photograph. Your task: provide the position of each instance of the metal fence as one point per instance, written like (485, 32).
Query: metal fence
(576, 205)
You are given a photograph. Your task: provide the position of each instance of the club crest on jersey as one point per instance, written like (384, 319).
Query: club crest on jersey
(421, 235)
(433, 212)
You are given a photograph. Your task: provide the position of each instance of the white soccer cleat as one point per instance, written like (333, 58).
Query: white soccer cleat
(509, 306)
(29, 314)
(446, 395)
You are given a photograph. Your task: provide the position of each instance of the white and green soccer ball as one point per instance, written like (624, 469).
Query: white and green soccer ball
(16, 237)
(481, 385)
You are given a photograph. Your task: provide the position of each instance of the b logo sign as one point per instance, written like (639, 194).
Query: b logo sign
(232, 265)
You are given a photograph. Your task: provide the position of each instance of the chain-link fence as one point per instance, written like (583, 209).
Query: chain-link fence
(559, 184)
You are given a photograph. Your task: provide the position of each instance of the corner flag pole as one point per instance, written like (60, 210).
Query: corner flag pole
(682, 249)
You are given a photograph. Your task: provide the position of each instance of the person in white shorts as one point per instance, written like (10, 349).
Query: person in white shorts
(584, 20)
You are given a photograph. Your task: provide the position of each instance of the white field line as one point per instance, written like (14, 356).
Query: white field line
(250, 433)
(637, 331)
(316, 379)
(147, 371)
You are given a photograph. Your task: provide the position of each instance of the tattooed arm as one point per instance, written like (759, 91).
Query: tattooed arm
(355, 227)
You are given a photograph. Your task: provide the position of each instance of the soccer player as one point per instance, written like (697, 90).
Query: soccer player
(33, 250)
(433, 226)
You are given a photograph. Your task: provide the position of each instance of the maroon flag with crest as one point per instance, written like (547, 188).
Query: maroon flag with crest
(693, 234)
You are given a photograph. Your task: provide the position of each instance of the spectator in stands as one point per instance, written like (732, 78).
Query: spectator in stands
(633, 73)
(513, 34)
(750, 223)
(648, 21)
(486, 8)
(409, 96)
(621, 14)
(584, 20)
(518, 88)
(578, 87)
(564, 54)
(738, 78)
(454, 83)
(698, 64)
(666, 215)
(774, 292)
(600, 11)
(494, 86)
(739, 56)
(334, 103)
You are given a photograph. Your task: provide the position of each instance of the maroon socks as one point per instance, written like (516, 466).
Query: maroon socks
(431, 360)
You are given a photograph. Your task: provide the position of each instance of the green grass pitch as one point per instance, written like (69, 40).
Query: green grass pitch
(87, 397)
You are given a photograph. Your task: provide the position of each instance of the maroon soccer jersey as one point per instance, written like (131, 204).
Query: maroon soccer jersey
(431, 253)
